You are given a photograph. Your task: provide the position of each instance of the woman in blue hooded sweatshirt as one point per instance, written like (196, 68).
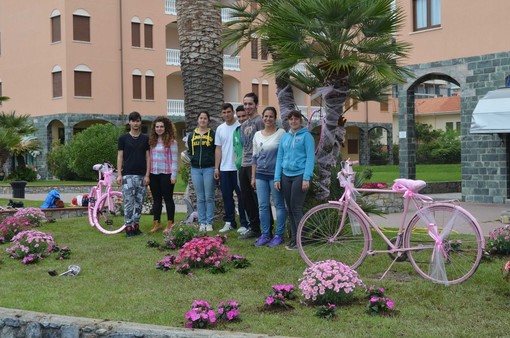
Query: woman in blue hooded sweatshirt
(294, 170)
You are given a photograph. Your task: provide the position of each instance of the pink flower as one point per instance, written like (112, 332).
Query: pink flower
(390, 304)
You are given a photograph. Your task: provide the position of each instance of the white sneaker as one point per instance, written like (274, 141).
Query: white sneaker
(227, 227)
(208, 227)
(202, 227)
(242, 230)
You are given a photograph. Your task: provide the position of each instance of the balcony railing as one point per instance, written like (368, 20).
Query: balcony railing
(173, 58)
(175, 108)
(170, 9)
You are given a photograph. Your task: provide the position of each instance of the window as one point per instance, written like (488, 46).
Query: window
(135, 32)
(147, 33)
(265, 94)
(55, 27)
(255, 88)
(137, 84)
(384, 106)
(427, 14)
(449, 125)
(254, 48)
(264, 50)
(81, 26)
(82, 81)
(149, 85)
(56, 81)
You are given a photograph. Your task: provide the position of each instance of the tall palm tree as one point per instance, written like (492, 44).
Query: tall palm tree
(347, 47)
(199, 28)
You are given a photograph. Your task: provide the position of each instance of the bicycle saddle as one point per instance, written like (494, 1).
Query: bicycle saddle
(412, 185)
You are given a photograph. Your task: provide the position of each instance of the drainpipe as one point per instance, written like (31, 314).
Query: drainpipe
(121, 64)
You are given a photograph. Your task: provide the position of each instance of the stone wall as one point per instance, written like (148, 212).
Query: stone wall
(485, 158)
(17, 323)
(388, 203)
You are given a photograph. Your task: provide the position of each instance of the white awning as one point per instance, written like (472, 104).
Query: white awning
(492, 113)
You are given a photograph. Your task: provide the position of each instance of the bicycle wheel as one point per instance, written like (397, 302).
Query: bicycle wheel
(321, 235)
(109, 218)
(460, 243)
(91, 205)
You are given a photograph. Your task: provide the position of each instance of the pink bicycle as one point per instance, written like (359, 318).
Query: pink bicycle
(443, 241)
(105, 208)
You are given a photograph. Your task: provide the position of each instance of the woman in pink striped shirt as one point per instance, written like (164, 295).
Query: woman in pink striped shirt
(163, 173)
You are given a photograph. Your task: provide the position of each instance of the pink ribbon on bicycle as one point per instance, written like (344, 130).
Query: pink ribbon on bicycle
(434, 233)
(346, 181)
(401, 189)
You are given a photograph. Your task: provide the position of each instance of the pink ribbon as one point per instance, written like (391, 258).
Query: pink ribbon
(432, 229)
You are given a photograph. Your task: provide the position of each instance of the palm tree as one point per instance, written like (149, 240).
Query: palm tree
(348, 49)
(16, 137)
(199, 28)
(201, 59)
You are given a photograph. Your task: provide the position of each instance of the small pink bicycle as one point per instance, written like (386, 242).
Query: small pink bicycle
(105, 208)
(443, 241)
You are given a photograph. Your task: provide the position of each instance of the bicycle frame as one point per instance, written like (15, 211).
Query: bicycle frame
(103, 187)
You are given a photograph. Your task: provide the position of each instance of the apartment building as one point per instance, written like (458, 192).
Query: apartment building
(463, 45)
(70, 64)
(73, 63)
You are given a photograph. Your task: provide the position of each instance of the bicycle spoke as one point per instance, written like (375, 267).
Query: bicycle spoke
(320, 236)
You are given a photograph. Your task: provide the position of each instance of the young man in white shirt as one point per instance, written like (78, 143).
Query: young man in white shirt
(225, 168)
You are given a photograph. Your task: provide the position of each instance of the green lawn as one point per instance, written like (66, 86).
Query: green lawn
(426, 172)
(119, 282)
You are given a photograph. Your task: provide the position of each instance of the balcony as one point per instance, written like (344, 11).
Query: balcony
(175, 108)
(173, 58)
(170, 9)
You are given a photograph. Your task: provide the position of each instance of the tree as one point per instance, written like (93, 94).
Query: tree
(201, 59)
(16, 138)
(347, 48)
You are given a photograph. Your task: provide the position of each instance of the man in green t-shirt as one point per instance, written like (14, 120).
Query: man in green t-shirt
(238, 156)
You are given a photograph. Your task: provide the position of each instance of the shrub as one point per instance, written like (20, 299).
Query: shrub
(326, 311)
(228, 311)
(95, 144)
(166, 263)
(499, 241)
(31, 217)
(280, 294)
(200, 316)
(31, 246)
(23, 174)
(204, 252)
(58, 161)
(9, 228)
(329, 282)
(180, 234)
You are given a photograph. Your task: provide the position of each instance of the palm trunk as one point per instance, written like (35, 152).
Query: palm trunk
(332, 136)
(285, 101)
(199, 28)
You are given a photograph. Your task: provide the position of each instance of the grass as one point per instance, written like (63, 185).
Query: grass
(426, 172)
(119, 281)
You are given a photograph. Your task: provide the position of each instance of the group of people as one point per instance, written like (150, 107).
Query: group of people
(249, 155)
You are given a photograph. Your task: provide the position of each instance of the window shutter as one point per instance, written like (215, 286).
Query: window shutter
(135, 34)
(55, 29)
(82, 84)
(137, 87)
(81, 28)
(57, 84)
(149, 87)
(148, 36)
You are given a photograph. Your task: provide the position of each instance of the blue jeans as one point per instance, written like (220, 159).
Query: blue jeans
(133, 191)
(203, 181)
(265, 188)
(228, 184)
